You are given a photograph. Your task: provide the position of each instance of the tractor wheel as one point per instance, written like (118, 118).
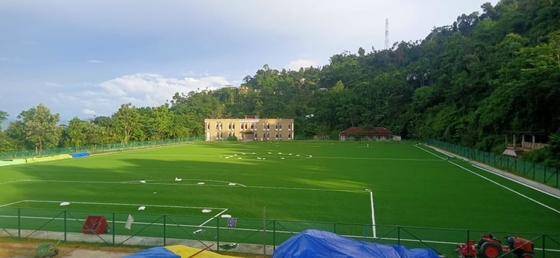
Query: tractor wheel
(491, 250)
(527, 255)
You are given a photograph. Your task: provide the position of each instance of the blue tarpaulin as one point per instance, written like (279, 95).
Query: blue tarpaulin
(176, 251)
(155, 252)
(80, 154)
(319, 244)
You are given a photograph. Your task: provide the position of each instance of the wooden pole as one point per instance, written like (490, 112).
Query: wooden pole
(202, 250)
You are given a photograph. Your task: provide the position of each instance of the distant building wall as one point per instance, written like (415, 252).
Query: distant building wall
(249, 129)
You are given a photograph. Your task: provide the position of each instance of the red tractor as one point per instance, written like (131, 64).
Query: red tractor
(490, 247)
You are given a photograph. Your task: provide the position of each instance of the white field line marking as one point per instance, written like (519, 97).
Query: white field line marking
(513, 180)
(502, 176)
(498, 184)
(15, 181)
(185, 179)
(205, 222)
(273, 156)
(391, 159)
(12, 203)
(219, 181)
(305, 189)
(126, 204)
(372, 215)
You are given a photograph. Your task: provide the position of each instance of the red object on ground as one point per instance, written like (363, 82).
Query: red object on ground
(467, 250)
(95, 225)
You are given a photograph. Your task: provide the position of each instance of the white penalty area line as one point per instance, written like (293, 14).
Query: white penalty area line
(305, 189)
(9, 204)
(496, 183)
(205, 222)
(373, 227)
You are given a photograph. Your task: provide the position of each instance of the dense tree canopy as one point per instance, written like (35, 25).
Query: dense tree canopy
(487, 74)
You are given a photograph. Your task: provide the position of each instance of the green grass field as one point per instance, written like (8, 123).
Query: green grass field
(296, 181)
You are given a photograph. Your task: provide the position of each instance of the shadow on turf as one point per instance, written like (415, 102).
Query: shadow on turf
(246, 171)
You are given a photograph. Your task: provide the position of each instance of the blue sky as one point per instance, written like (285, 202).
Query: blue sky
(85, 58)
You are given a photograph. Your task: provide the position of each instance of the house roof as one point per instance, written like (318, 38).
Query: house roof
(381, 131)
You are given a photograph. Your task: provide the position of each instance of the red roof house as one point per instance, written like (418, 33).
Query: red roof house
(377, 133)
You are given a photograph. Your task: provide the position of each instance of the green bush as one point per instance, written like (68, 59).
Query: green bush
(231, 139)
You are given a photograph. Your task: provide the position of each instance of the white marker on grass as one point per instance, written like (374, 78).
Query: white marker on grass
(373, 228)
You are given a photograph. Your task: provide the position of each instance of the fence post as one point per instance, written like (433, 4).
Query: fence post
(399, 235)
(218, 234)
(273, 236)
(543, 246)
(19, 222)
(113, 231)
(334, 228)
(164, 228)
(64, 225)
(556, 178)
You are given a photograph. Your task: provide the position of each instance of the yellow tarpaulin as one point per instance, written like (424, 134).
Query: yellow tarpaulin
(187, 251)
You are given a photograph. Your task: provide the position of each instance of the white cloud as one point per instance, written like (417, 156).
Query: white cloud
(141, 90)
(93, 61)
(297, 64)
(88, 111)
(52, 84)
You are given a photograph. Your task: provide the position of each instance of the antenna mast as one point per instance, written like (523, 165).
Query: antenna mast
(387, 33)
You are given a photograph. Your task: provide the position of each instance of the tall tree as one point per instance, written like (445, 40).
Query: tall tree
(127, 123)
(41, 126)
(77, 132)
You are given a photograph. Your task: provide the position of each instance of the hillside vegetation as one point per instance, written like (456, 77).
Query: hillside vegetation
(489, 73)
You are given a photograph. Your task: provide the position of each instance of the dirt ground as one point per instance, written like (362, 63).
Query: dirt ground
(13, 248)
(27, 250)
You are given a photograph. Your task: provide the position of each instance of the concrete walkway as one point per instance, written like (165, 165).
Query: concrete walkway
(554, 192)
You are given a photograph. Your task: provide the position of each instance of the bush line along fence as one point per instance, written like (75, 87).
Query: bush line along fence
(257, 235)
(97, 148)
(536, 172)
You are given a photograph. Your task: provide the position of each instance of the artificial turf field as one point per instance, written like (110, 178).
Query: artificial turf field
(412, 186)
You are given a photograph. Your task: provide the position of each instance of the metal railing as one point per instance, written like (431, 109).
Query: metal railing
(247, 235)
(96, 148)
(534, 171)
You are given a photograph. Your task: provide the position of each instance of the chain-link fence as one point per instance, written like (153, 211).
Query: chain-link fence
(96, 148)
(537, 172)
(234, 234)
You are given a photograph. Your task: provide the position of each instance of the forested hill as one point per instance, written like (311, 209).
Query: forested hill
(486, 74)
